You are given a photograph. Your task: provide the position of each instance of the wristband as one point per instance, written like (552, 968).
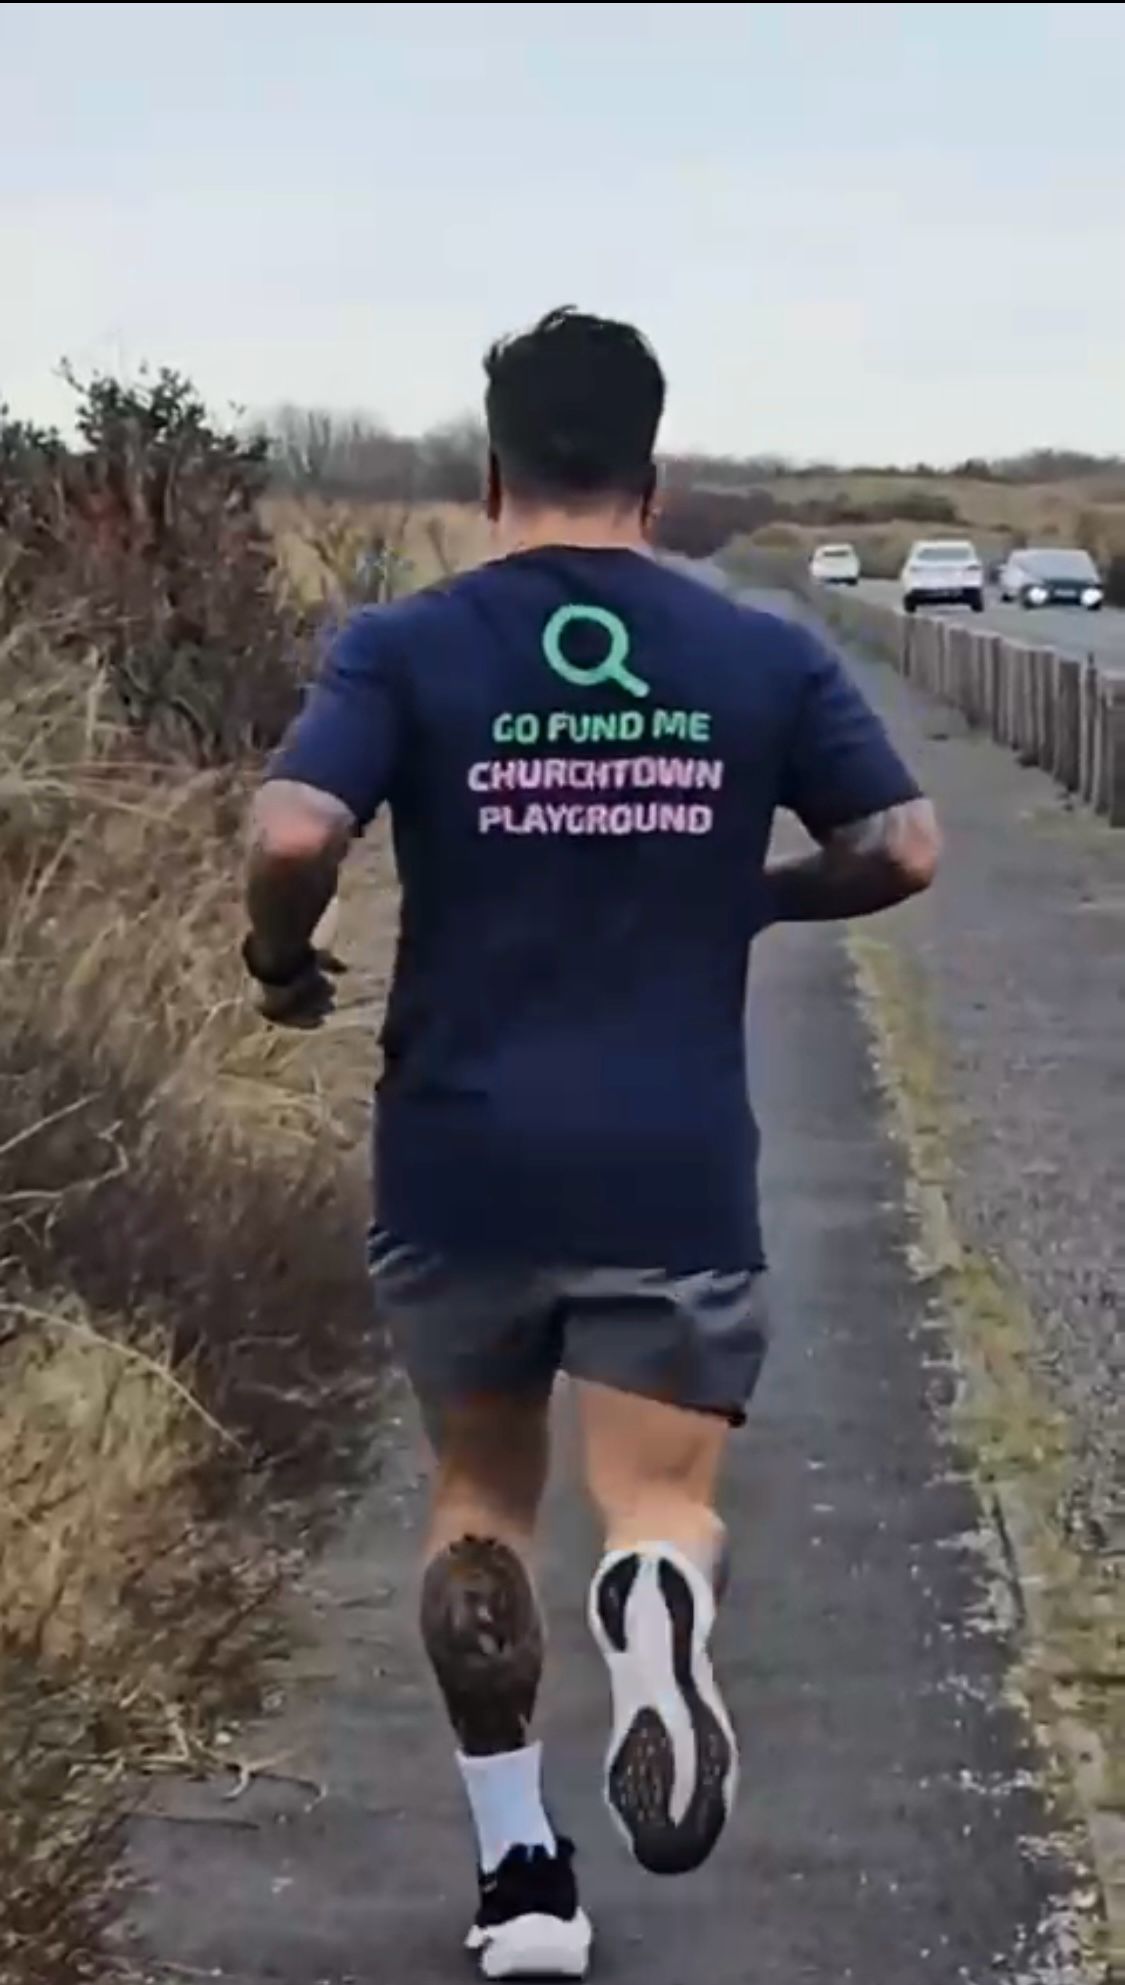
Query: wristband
(276, 981)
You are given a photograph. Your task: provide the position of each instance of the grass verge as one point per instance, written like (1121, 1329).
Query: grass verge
(1071, 1672)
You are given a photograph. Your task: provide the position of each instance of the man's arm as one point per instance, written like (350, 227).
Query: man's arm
(867, 866)
(878, 839)
(331, 775)
(298, 839)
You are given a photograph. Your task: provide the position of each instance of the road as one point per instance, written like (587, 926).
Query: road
(893, 1828)
(1068, 629)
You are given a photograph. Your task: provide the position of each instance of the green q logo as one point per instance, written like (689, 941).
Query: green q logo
(611, 668)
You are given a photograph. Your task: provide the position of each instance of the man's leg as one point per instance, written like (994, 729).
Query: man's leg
(672, 1765)
(483, 1632)
(479, 1344)
(480, 1618)
(653, 1471)
(665, 1364)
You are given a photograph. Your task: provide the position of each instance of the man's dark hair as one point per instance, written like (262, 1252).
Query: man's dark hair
(573, 406)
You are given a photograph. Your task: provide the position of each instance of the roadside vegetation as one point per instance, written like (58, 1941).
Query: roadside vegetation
(881, 512)
(1047, 496)
(189, 1379)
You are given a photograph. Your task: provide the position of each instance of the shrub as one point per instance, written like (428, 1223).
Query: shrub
(780, 537)
(185, 1335)
(145, 548)
(698, 522)
(1115, 580)
(920, 506)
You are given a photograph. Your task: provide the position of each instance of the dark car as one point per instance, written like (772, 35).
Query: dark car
(1052, 576)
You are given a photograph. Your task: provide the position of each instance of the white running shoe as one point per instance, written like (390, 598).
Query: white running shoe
(672, 1765)
(529, 1924)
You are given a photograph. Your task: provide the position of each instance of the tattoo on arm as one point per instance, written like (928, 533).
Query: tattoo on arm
(867, 866)
(298, 839)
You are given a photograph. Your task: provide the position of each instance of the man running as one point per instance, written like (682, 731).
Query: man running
(583, 752)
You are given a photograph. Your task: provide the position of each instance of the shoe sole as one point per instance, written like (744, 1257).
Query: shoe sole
(534, 1947)
(672, 1765)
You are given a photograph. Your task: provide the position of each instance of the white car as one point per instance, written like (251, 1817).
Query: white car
(835, 565)
(942, 572)
(1052, 576)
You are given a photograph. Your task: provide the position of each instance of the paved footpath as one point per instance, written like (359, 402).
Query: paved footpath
(892, 1829)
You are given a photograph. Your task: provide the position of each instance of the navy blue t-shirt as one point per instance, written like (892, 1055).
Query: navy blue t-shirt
(582, 752)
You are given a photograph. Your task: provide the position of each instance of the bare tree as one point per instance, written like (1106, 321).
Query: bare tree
(355, 455)
(451, 461)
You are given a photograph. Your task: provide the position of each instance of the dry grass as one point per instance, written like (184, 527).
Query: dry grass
(321, 543)
(106, 1555)
(186, 1354)
(1032, 508)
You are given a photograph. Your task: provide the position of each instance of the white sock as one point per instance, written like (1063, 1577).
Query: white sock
(506, 1800)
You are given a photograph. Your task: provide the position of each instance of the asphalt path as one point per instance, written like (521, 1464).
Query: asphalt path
(894, 1826)
(1071, 630)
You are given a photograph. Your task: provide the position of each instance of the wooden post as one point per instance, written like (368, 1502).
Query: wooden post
(1039, 743)
(994, 684)
(1067, 697)
(1024, 708)
(1113, 745)
(1088, 731)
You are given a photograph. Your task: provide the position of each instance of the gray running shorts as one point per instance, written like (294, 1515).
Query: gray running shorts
(461, 1326)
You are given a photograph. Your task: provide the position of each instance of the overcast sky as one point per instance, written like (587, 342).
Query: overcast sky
(853, 231)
